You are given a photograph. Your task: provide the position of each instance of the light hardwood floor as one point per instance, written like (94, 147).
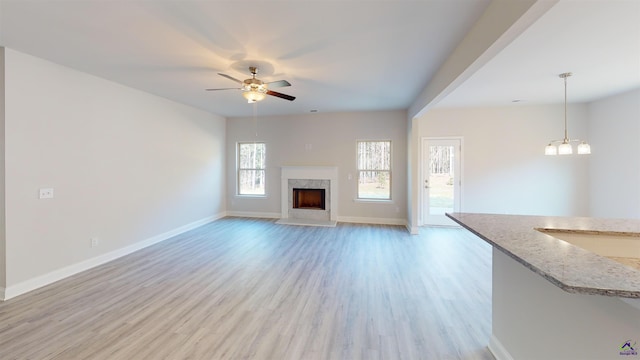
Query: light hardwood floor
(251, 289)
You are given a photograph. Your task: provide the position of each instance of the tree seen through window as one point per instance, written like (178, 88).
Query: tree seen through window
(374, 170)
(251, 168)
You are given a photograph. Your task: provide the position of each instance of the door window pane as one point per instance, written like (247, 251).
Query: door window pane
(441, 161)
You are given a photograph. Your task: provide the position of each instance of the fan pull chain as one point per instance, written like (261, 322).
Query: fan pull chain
(255, 117)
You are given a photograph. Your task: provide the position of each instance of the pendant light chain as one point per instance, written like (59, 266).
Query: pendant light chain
(566, 132)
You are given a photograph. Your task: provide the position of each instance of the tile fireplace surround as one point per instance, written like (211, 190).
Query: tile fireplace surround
(309, 177)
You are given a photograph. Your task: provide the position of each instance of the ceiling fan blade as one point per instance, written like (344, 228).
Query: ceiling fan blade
(279, 83)
(230, 78)
(281, 95)
(223, 89)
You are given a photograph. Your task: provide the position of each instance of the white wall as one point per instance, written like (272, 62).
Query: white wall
(533, 319)
(3, 253)
(614, 126)
(332, 138)
(126, 167)
(504, 166)
(413, 181)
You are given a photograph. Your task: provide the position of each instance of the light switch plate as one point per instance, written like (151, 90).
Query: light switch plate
(46, 193)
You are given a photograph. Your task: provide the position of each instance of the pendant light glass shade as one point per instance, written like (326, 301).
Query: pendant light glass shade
(584, 149)
(565, 147)
(550, 150)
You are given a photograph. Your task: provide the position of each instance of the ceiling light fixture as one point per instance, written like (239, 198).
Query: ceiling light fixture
(254, 95)
(565, 147)
(253, 89)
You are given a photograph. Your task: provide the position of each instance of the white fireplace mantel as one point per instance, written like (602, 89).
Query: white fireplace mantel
(309, 172)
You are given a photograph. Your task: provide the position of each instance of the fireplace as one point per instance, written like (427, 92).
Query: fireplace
(309, 199)
(312, 199)
(309, 195)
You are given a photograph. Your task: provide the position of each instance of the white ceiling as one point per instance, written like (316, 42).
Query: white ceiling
(598, 41)
(338, 55)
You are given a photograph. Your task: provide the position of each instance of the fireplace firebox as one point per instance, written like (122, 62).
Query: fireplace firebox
(312, 199)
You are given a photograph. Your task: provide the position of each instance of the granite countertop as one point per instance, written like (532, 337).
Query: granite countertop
(569, 267)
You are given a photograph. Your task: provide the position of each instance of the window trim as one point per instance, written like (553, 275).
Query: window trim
(239, 169)
(390, 171)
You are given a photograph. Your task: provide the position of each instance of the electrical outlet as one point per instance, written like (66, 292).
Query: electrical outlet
(95, 242)
(46, 193)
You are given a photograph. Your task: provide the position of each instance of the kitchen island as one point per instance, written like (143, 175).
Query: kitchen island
(562, 299)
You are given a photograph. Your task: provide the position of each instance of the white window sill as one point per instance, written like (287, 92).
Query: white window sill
(248, 196)
(375, 201)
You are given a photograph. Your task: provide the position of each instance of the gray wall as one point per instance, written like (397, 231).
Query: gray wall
(3, 254)
(504, 166)
(321, 139)
(505, 170)
(126, 167)
(614, 127)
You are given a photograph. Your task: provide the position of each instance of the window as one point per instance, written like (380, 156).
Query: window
(251, 169)
(374, 170)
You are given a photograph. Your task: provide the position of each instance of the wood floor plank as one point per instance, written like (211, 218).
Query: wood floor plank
(244, 288)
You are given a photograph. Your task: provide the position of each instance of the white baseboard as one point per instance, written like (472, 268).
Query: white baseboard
(369, 220)
(498, 350)
(59, 274)
(347, 219)
(254, 214)
(2, 292)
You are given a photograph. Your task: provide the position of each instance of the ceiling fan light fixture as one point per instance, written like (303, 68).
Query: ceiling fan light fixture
(254, 95)
(254, 90)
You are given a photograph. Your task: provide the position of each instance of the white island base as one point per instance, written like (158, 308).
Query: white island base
(533, 319)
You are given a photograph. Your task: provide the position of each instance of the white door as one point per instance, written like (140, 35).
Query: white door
(441, 179)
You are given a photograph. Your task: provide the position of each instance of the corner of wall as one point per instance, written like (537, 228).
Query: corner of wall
(413, 173)
(497, 349)
(3, 246)
(413, 230)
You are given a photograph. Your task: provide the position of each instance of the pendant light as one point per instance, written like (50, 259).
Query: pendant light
(565, 147)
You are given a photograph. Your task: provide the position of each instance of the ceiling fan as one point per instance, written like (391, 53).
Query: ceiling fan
(254, 89)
